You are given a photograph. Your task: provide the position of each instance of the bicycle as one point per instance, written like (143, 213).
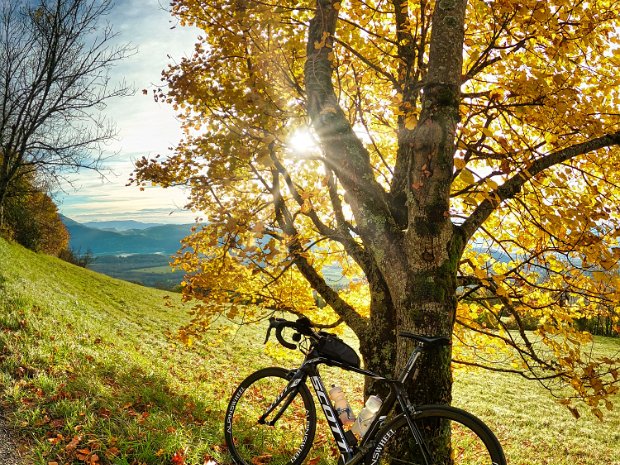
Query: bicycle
(271, 417)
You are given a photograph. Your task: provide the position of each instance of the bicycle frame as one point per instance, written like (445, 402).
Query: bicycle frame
(352, 454)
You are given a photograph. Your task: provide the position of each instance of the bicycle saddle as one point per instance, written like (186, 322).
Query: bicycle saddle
(427, 341)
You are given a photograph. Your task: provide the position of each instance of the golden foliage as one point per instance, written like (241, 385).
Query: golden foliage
(536, 151)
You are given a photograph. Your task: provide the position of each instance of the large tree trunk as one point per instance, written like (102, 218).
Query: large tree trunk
(427, 307)
(378, 342)
(408, 232)
(432, 382)
(425, 298)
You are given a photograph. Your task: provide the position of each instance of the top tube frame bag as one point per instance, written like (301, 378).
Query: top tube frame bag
(334, 348)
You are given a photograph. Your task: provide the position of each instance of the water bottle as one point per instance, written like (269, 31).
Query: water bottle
(366, 416)
(341, 405)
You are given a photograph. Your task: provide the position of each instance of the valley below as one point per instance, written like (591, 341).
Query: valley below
(130, 250)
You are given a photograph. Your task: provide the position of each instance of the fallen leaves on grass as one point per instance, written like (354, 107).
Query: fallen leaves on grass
(262, 459)
(178, 458)
(87, 456)
(112, 452)
(73, 444)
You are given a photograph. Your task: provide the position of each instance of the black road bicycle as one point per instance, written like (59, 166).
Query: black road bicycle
(271, 417)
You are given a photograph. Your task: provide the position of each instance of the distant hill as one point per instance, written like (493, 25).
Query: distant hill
(160, 239)
(124, 225)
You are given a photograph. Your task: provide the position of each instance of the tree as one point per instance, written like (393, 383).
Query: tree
(464, 176)
(55, 57)
(76, 257)
(32, 219)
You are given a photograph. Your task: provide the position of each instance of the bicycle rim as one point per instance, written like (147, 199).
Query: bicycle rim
(289, 440)
(451, 437)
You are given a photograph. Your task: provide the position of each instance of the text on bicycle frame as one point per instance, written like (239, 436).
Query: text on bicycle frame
(332, 420)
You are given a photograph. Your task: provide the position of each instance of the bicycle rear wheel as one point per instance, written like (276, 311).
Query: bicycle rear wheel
(471, 441)
(250, 439)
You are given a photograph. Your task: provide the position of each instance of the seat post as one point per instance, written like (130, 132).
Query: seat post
(413, 358)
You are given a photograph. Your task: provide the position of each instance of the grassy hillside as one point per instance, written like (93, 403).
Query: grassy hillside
(85, 365)
(88, 375)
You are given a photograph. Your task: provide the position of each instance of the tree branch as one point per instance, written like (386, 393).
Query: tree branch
(286, 223)
(513, 186)
(345, 153)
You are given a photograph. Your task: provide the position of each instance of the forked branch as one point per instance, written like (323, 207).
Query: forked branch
(513, 186)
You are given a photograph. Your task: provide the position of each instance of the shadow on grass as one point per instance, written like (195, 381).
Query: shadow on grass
(95, 404)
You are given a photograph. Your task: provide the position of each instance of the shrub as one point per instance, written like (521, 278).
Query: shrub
(76, 257)
(32, 220)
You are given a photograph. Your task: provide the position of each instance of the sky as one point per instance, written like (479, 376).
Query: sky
(144, 126)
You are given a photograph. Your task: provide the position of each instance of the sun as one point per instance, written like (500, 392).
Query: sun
(301, 141)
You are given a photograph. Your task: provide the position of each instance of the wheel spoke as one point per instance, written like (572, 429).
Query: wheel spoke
(451, 439)
(288, 440)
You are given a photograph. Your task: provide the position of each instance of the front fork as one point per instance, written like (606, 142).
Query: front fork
(287, 395)
(284, 399)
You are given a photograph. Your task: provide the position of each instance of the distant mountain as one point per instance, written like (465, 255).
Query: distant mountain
(163, 239)
(120, 225)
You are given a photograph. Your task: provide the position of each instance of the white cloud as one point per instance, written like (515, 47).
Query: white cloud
(144, 126)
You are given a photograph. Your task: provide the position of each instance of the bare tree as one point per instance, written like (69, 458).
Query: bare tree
(55, 59)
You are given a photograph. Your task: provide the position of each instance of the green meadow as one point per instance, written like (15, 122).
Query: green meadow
(90, 373)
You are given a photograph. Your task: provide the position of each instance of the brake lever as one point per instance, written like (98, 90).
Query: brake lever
(271, 320)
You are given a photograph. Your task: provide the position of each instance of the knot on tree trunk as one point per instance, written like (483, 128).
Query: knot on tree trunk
(442, 94)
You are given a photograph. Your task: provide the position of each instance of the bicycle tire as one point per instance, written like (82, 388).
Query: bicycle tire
(288, 441)
(472, 442)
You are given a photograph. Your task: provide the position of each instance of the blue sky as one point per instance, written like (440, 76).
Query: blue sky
(144, 127)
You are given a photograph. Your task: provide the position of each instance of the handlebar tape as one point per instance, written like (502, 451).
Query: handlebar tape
(302, 326)
(279, 324)
(281, 340)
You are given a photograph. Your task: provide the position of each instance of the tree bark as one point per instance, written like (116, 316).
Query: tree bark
(418, 264)
(379, 341)
(425, 295)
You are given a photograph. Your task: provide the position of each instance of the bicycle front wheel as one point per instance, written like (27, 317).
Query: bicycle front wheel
(268, 421)
(447, 435)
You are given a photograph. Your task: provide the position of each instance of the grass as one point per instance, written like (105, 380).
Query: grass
(155, 270)
(85, 365)
(532, 428)
(149, 269)
(89, 375)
